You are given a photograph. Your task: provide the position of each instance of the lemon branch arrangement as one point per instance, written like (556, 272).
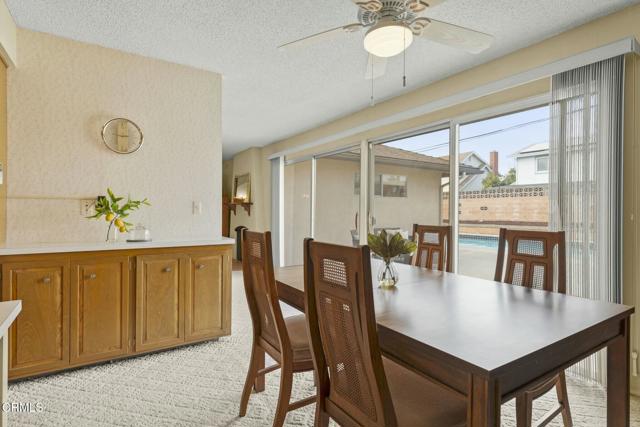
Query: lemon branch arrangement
(114, 213)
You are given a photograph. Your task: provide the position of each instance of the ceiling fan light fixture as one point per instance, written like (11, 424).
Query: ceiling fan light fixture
(388, 39)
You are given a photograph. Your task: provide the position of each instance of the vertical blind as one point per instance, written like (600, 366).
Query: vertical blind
(586, 183)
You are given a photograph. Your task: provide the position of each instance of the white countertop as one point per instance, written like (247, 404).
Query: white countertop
(9, 310)
(48, 248)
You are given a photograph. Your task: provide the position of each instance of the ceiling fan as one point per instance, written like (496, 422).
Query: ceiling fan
(391, 27)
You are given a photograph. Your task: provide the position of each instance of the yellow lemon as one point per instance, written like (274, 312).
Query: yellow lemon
(109, 217)
(122, 229)
(119, 223)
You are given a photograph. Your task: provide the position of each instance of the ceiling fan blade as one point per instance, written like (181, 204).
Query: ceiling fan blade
(322, 36)
(376, 67)
(459, 37)
(368, 5)
(418, 6)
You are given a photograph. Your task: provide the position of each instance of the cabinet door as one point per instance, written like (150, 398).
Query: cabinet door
(206, 295)
(160, 301)
(39, 338)
(99, 308)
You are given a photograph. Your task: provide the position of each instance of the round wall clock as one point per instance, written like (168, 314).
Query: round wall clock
(122, 136)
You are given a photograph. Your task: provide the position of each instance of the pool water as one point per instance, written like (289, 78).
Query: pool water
(478, 241)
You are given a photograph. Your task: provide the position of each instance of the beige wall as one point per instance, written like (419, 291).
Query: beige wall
(227, 178)
(250, 162)
(8, 51)
(3, 152)
(58, 99)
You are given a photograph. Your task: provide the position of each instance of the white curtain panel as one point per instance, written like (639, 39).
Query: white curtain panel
(586, 184)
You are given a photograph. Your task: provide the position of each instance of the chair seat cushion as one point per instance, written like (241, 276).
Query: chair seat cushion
(420, 402)
(297, 328)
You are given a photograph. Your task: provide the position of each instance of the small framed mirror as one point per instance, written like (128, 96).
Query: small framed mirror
(122, 136)
(242, 189)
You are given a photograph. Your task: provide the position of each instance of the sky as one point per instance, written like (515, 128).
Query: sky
(505, 134)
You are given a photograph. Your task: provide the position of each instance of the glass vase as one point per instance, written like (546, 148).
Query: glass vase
(388, 275)
(112, 233)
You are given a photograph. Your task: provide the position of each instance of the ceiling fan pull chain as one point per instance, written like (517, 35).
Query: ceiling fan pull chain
(372, 101)
(404, 61)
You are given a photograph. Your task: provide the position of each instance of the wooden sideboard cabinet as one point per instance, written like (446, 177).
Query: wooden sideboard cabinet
(81, 308)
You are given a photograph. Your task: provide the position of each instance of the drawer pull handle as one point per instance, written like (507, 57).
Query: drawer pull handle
(166, 270)
(91, 276)
(199, 266)
(46, 280)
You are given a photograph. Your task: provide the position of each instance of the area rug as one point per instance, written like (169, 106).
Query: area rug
(200, 385)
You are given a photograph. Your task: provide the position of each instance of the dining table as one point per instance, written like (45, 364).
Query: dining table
(487, 341)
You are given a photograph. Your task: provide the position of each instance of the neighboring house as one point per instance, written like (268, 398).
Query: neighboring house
(532, 164)
(470, 181)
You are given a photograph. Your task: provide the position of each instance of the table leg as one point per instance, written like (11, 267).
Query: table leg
(483, 408)
(258, 385)
(4, 394)
(618, 382)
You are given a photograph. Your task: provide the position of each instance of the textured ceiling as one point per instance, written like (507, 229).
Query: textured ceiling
(268, 94)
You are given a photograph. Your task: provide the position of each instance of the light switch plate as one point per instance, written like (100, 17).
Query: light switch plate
(197, 207)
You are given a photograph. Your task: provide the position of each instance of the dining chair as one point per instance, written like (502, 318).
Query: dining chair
(284, 339)
(356, 385)
(530, 263)
(433, 247)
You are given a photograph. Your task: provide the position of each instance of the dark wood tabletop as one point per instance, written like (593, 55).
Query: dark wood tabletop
(452, 328)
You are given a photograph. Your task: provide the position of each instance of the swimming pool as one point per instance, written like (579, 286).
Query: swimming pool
(478, 241)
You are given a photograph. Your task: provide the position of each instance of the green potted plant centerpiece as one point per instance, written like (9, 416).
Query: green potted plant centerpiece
(114, 212)
(388, 247)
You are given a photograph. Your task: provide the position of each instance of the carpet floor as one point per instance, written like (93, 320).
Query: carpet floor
(201, 385)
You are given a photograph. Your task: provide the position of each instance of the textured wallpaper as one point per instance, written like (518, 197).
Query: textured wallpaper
(58, 99)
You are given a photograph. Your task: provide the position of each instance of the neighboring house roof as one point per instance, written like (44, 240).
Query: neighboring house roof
(461, 156)
(532, 149)
(397, 156)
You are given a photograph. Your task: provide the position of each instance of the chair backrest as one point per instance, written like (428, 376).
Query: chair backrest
(530, 259)
(269, 328)
(433, 247)
(352, 387)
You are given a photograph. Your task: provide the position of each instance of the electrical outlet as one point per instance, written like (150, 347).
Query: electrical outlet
(87, 207)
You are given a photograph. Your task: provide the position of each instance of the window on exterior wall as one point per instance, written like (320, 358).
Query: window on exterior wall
(542, 164)
(394, 186)
(385, 185)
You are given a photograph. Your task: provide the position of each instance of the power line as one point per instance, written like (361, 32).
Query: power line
(472, 137)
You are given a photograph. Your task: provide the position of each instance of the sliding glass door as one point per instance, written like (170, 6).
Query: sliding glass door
(410, 181)
(297, 210)
(510, 154)
(502, 162)
(337, 197)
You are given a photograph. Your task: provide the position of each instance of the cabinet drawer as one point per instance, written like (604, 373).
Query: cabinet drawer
(99, 308)
(39, 338)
